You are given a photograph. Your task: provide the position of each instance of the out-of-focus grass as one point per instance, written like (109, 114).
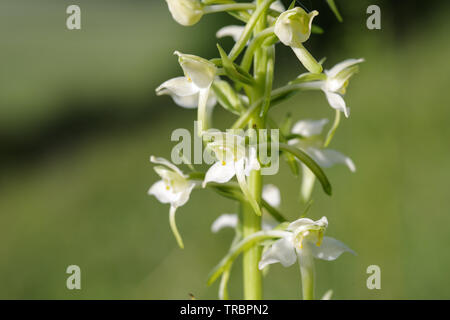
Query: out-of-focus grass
(114, 61)
(87, 205)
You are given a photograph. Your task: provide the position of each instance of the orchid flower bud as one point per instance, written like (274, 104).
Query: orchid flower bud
(293, 27)
(201, 73)
(186, 12)
(198, 70)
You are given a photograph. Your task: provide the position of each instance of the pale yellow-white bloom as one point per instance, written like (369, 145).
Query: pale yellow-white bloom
(293, 28)
(336, 83)
(193, 89)
(174, 188)
(184, 93)
(234, 158)
(302, 240)
(186, 12)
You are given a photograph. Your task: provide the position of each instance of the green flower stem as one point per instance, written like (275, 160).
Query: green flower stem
(268, 81)
(223, 291)
(254, 44)
(252, 224)
(307, 59)
(258, 14)
(330, 135)
(228, 7)
(173, 226)
(276, 96)
(306, 262)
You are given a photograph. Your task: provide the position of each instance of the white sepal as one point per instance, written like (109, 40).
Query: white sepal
(281, 251)
(330, 249)
(272, 195)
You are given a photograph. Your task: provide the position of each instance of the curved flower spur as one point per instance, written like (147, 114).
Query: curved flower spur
(174, 188)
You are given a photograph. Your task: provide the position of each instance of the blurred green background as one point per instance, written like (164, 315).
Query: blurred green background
(79, 120)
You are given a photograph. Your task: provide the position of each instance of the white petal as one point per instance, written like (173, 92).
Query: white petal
(337, 102)
(160, 191)
(327, 158)
(159, 160)
(240, 176)
(308, 180)
(302, 222)
(183, 196)
(201, 71)
(230, 31)
(278, 6)
(327, 295)
(341, 66)
(330, 249)
(188, 102)
(191, 102)
(224, 221)
(281, 251)
(252, 162)
(184, 93)
(272, 195)
(308, 128)
(220, 172)
(179, 86)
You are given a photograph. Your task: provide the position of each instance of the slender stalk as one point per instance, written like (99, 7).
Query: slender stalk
(253, 45)
(306, 261)
(276, 97)
(251, 222)
(228, 7)
(173, 226)
(333, 129)
(259, 14)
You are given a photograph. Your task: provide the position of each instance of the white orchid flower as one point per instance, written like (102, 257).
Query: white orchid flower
(303, 241)
(234, 159)
(174, 188)
(293, 27)
(186, 12)
(270, 193)
(194, 88)
(336, 83)
(312, 144)
(184, 93)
